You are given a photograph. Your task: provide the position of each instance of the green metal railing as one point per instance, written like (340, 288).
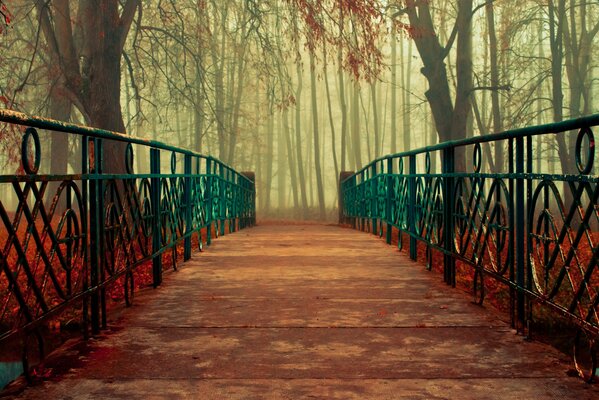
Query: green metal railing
(530, 229)
(69, 238)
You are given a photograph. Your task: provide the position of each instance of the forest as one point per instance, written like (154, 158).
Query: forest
(298, 90)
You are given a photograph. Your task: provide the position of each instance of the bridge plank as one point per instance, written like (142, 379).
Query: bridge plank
(309, 310)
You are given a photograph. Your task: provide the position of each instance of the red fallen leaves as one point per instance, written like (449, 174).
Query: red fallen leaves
(382, 313)
(10, 311)
(41, 373)
(498, 294)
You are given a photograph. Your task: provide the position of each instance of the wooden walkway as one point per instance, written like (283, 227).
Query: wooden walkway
(310, 311)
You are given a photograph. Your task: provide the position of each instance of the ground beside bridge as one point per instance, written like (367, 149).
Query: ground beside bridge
(310, 311)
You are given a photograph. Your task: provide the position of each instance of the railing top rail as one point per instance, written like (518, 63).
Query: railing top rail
(555, 128)
(18, 118)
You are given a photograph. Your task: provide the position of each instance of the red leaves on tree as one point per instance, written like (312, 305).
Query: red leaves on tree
(352, 26)
(6, 16)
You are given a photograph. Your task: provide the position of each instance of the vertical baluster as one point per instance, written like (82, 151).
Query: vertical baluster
(448, 220)
(95, 218)
(156, 206)
(520, 232)
(208, 201)
(389, 194)
(98, 302)
(222, 199)
(69, 242)
(91, 252)
(528, 221)
(512, 232)
(364, 185)
(374, 198)
(188, 205)
(412, 208)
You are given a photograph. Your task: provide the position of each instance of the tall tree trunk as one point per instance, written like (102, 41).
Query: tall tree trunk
(434, 69)
(60, 109)
(281, 155)
(268, 160)
(317, 167)
(406, 79)
(355, 128)
(463, 69)
(343, 105)
(90, 69)
(497, 120)
(394, 109)
(342, 101)
(298, 141)
(375, 120)
(557, 20)
(198, 110)
(240, 63)
(217, 50)
(290, 159)
(330, 109)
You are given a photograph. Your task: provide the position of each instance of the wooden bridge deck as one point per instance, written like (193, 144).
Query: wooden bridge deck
(310, 311)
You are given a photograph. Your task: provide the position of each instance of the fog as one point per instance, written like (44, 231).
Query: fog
(298, 90)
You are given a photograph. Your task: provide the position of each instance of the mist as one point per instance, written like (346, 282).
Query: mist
(298, 91)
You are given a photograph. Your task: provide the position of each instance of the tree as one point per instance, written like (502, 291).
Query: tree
(450, 115)
(88, 51)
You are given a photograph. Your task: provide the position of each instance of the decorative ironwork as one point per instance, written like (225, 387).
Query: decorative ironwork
(69, 238)
(535, 232)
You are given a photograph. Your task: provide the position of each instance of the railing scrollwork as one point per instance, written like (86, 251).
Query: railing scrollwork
(534, 231)
(71, 238)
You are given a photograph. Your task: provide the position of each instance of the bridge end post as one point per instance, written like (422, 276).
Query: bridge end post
(374, 193)
(343, 219)
(250, 217)
(389, 200)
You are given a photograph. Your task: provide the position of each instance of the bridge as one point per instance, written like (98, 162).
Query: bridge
(300, 310)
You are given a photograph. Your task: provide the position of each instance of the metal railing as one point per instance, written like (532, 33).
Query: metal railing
(533, 230)
(68, 238)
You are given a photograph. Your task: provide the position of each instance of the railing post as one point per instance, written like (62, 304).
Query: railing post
(363, 200)
(389, 195)
(85, 224)
(343, 219)
(188, 207)
(96, 201)
(248, 208)
(412, 208)
(209, 201)
(234, 197)
(448, 221)
(520, 232)
(222, 200)
(254, 201)
(373, 203)
(157, 231)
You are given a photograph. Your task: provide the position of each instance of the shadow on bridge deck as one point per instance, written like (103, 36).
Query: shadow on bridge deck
(311, 311)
